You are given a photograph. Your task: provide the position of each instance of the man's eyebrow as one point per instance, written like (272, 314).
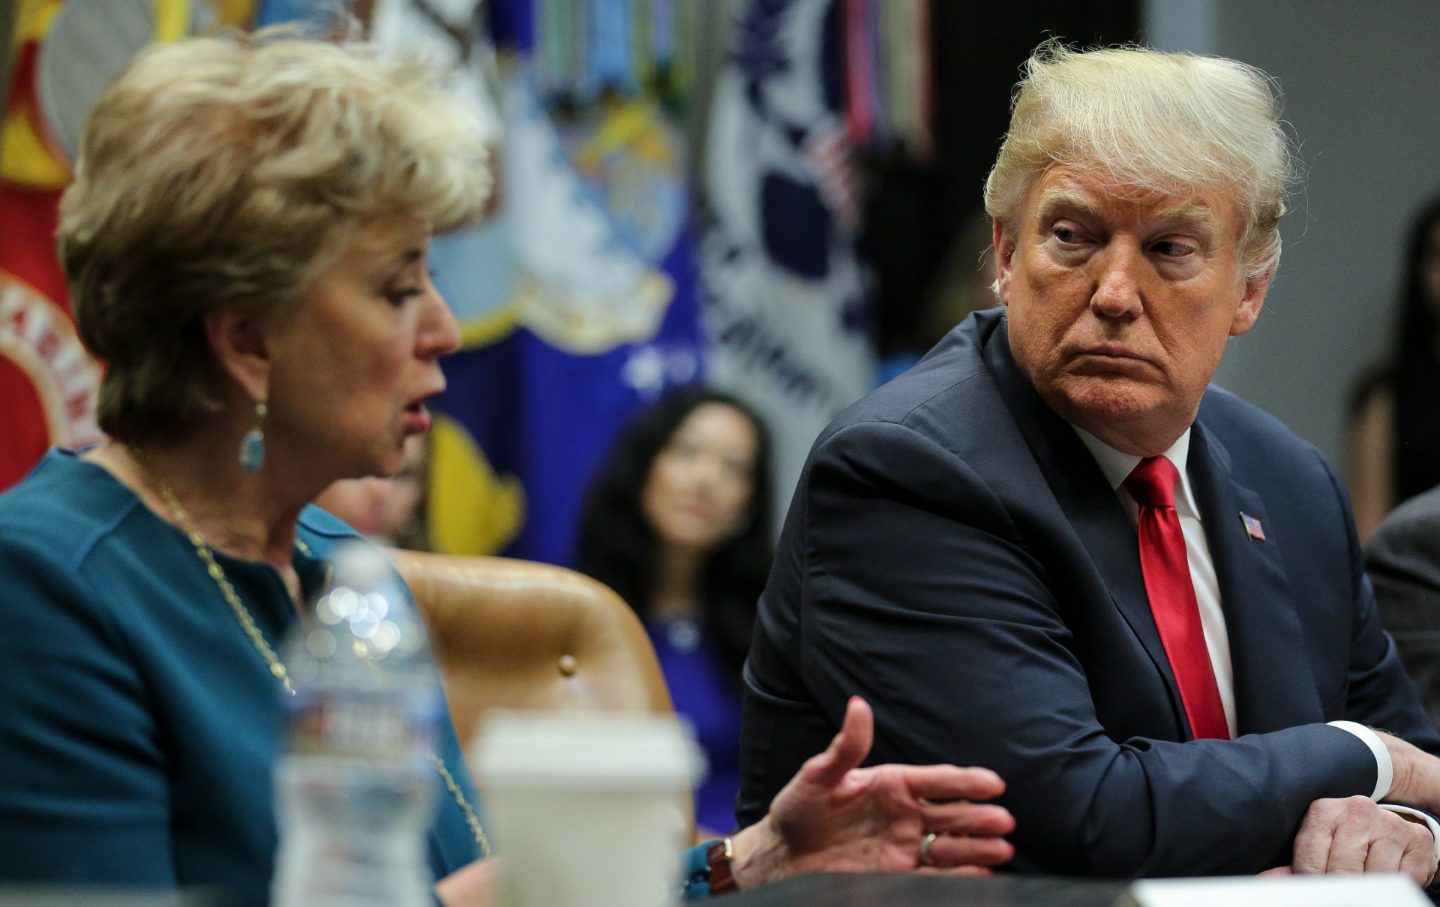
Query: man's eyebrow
(1060, 198)
(1189, 213)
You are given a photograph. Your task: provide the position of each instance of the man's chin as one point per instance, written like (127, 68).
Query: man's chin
(1126, 415)
(1108, 401)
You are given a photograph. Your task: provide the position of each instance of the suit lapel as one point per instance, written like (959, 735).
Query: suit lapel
(1274, 686)
(1090, 505)
(1109, 536)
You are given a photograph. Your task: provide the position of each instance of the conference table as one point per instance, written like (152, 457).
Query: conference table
(45, 896)
(915, 890)
(823, 890)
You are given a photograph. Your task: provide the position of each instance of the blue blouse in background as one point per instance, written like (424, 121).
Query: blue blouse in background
(703, 692)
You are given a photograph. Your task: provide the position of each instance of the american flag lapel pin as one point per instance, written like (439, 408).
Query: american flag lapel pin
(1252, 527)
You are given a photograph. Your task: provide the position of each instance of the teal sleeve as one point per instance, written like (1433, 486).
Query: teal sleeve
(84, 795)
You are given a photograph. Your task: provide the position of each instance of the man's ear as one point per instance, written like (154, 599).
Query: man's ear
(1251, 302)
(1004, 253)
(240, 347)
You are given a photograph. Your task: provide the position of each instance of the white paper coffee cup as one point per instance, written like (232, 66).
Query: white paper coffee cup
(587, 808)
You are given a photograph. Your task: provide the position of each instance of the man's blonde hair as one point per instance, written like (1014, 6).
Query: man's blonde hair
(233, 171)
(1151, 121)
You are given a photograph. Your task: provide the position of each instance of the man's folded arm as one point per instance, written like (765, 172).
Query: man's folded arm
(926, 596)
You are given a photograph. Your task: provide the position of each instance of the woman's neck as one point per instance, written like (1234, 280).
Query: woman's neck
(675, 588)
(248, 515)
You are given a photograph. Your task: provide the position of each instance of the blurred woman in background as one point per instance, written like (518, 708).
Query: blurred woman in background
(677, 521)
(1394, 428)
(387, 510)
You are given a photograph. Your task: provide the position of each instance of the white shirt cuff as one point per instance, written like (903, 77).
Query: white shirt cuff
(1423, 817)
(1384, 768)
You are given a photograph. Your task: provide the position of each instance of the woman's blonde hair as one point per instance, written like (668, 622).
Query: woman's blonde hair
(1151, 120)
(233, 171)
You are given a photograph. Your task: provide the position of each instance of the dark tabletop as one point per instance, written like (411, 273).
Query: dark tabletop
(41, 896)
(914, 890)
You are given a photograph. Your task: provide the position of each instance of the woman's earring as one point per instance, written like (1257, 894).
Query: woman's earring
(252, 447)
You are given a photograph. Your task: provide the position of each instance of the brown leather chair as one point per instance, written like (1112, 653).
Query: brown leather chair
(517, 634)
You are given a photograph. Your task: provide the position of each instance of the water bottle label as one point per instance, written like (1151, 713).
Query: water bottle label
(378, 724)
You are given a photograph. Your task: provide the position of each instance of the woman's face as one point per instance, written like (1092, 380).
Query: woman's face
(699, 488)
(352, 367)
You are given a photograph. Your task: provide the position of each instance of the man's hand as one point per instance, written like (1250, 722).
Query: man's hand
(472, 885)
(1353, 834)
(836, 817)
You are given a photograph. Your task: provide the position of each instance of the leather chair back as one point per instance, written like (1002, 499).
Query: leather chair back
(509, 633)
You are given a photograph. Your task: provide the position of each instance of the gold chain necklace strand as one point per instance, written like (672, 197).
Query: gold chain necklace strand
(227, 591)
(277, 667)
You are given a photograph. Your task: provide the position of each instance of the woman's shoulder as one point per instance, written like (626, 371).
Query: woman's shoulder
(322, 531)
(71, 538)
(65, 506)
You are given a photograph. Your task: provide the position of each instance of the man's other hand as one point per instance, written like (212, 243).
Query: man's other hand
(834, 816)
(1353, 835)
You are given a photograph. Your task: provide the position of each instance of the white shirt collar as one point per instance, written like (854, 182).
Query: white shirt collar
(1117, 466)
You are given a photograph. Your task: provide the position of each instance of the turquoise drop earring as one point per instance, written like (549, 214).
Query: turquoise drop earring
(252, 447)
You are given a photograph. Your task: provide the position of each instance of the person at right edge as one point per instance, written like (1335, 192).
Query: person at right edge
(1403, 561)
(1052, 548)
(1392, 441)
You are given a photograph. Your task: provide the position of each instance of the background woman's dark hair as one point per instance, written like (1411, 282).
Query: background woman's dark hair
(1418, 326)
(617, 546)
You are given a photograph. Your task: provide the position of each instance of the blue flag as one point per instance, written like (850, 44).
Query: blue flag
(577, 303)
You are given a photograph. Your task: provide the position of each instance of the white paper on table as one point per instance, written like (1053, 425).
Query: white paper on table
(1278, 891)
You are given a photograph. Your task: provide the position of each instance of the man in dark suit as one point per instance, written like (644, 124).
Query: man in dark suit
(1403, 560)
(1052, 549)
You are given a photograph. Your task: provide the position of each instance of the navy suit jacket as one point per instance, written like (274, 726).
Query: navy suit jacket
(955, 555)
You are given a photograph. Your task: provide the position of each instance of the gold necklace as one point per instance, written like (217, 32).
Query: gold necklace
(277, 667)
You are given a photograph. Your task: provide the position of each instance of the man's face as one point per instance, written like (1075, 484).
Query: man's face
(1120, 301)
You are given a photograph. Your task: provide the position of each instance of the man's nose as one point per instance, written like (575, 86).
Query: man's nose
(1117, 286)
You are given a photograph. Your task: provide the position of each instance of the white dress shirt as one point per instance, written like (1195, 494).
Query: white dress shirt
(1117, 466)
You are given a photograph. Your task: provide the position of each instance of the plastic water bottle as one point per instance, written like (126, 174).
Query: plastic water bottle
(356, 789)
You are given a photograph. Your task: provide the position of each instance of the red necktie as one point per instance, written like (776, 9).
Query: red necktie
(1172, 595)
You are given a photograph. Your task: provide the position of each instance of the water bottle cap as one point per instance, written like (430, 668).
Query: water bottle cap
(359, 565)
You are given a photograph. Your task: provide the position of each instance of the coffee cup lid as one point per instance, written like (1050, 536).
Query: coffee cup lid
(559, 749)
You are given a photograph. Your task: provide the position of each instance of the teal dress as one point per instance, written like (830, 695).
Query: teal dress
(138, 725)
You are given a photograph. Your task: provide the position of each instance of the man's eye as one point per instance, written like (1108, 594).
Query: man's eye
(1066, 235)
(1173, 248)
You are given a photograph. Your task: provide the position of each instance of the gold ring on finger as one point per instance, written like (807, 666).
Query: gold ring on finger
(926, 859)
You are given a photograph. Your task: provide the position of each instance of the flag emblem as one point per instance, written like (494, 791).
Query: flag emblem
(1252, 527)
